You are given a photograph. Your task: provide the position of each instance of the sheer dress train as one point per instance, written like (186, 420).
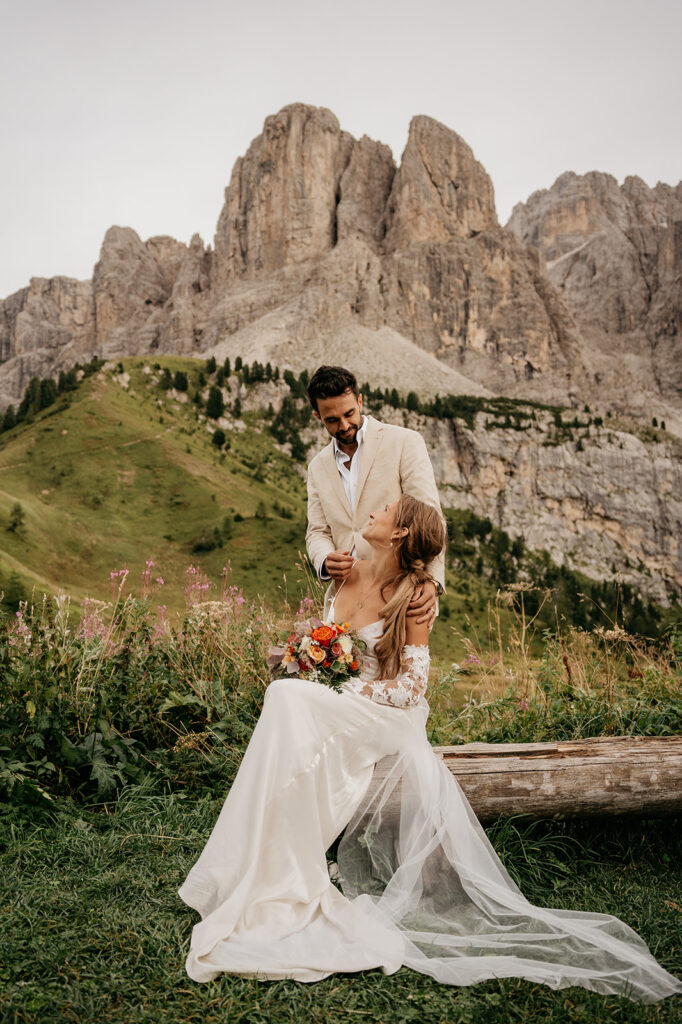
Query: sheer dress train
(422, 885)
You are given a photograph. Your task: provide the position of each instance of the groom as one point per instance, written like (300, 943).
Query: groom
(367, 465)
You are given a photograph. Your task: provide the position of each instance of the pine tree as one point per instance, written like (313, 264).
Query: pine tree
(48, 392)
(215, 405)
(9, 419)
(211, 364)
(298, 449)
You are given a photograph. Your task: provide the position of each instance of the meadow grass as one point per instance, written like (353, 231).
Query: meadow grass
(92, 928)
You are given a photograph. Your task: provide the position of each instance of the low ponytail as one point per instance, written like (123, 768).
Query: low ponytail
(425, 538)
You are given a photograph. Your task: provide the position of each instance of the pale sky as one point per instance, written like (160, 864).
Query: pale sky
(133, 112)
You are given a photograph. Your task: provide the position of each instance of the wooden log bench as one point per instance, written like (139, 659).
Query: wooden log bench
(610, 775)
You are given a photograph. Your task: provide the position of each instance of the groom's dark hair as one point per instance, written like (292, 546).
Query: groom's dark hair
(329, 382)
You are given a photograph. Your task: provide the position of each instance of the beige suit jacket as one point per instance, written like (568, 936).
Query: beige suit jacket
(393, 461)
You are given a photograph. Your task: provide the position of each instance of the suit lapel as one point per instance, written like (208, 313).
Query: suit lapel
(334, 479)
(370, 447)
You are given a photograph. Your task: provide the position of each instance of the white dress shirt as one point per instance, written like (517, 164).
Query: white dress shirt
(349, 474)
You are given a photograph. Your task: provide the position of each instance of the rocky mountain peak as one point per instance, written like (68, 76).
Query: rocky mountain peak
(324, 245)
(440, 191)
(615, 255)
(280, 205)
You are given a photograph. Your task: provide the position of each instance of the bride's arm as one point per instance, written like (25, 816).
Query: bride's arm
(409, 686)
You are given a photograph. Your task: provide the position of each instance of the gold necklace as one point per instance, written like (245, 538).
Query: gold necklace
(361, 602)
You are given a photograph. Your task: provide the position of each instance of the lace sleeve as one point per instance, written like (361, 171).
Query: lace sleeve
(408, 687)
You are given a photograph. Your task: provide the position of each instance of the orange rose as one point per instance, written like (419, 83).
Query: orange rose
(323, 634)
(353, 666)
(316, 653)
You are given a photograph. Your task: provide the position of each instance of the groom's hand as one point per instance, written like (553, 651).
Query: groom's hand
(338, 565)
(423, 603)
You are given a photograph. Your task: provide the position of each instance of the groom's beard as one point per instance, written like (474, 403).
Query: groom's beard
(348, 438)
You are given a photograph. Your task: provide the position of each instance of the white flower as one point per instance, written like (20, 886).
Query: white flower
(346, 643)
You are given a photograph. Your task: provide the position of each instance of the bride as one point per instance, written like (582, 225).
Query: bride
(421, 885)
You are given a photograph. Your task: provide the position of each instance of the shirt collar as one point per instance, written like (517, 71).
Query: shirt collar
(359, 437)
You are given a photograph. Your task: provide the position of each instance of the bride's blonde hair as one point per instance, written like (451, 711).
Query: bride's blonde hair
(425, 538)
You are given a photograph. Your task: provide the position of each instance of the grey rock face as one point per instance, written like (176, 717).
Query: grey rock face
(50, 324)
(280, 205)
(615, 255)
(617, 502)
(440, 191)
(320, 237)
(132, 283)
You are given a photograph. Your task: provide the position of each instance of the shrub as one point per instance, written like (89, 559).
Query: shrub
(218, 438)
(207, 541)
(180, 382)
(17, 517)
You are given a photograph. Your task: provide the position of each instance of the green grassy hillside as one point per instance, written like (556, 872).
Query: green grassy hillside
(111, 476)
(120, 469)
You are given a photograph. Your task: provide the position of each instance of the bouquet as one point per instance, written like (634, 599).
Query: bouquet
(327, 654)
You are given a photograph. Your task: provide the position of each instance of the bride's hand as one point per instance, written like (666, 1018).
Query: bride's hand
(423, 603)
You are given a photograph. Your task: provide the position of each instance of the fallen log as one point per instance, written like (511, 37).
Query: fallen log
(606, 775)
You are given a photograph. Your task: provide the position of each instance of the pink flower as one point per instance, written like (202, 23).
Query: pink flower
(522, 705)
(305, 606)
(118, 576)
(197, 584)
(160, 624)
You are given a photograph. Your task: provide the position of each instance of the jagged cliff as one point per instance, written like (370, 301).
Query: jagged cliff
(615, 255)
(324, 249)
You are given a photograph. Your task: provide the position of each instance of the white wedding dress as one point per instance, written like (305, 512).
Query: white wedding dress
(422, 886)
